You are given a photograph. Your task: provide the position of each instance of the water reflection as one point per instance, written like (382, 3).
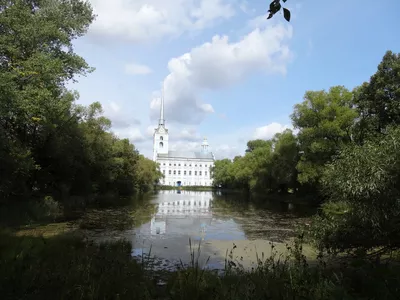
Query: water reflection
(217, 220)
(188, 214)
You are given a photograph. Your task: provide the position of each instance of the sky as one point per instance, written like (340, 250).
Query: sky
(229, 74)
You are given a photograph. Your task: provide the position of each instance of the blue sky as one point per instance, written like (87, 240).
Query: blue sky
(229, 74)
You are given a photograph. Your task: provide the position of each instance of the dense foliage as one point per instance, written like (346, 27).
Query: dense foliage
(50, 145)
(346, 152)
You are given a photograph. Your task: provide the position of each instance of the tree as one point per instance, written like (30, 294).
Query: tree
(284, 161)
(148, 173)
(378, 101)
(254, 144)
(49, 145)
(362, 185)
(36, 60)
(325, 121)
(220, 173)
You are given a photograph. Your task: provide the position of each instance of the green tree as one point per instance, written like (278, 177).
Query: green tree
(220, 173)
(363, 211)
(148, 174)
(378, 101)
(254, 144)
(36, 60)
(49, 145)
(284, 161)
(325, 121)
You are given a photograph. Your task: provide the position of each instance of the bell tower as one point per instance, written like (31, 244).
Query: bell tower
(204, 146)
(160, 136)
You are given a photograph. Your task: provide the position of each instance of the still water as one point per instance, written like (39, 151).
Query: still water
(216, 221)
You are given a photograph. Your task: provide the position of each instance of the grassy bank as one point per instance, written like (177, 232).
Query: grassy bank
(65, 266)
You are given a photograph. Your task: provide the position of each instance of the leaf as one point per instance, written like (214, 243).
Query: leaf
(286, 14)
(274, 7)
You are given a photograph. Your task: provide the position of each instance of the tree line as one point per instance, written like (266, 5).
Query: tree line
(49, 144)
(346, 152)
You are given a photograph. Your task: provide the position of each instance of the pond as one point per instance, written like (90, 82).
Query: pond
(175, 223)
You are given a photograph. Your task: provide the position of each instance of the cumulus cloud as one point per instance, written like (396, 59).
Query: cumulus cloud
(189, 134)
(227, 151)
(268, 131)
(148, 20)
(219, 64)
(132, 133)
(119, 118)
(137, 69)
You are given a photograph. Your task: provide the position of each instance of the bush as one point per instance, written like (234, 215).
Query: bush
(363, 211)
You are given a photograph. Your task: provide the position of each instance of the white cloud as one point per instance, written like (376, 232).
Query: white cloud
(150, 130)
(219, 64)
(114, 107)
(137, 69)
(227, 151)
(244, 7)
(146, 20)
(268, 131)
(132, 133)
(188, 134)
(120, 119)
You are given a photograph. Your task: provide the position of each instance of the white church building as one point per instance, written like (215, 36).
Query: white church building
(181, 168)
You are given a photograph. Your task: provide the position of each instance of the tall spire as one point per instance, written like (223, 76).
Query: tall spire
(161, 120)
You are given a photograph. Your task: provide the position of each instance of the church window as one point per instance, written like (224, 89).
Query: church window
(161, 144)
(174, 172)
(179, 165)
(185, 165)
(174, 165)
(205, 173)
(205, 165)
(195, 173)
(163, 171)
(161, 138)
(184, 172)
(179, 172)
(200, 166)
(200, 173)
(169, 172)
(190, 173)
(170, 164)
(190, 165)
(164, 164)
(195, 165)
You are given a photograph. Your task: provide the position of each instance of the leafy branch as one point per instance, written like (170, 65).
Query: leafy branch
(276, 6)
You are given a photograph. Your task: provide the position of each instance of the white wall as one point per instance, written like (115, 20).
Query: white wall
(187, 171)
(160, 142)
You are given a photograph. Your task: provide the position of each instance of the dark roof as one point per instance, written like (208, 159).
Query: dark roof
(187, 154)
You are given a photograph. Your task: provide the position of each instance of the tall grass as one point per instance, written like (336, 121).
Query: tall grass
(69, 267)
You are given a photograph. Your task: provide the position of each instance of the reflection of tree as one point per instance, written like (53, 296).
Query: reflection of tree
(130, 212)
(273, 220)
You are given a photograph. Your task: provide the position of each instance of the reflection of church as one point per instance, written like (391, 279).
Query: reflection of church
(188, 213)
